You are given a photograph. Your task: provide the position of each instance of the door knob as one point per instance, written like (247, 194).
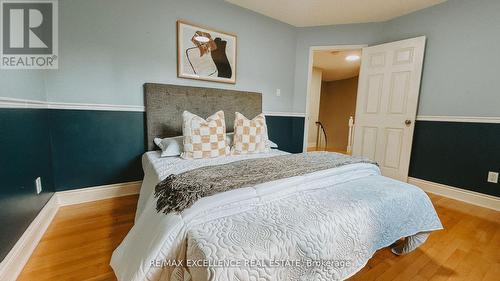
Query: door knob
(408, 122)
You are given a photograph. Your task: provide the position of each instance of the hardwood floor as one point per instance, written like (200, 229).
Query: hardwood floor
(79, 242)
(467, 249)
(309, 149)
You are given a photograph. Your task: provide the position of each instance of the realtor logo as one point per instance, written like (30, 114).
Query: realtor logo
(29, 34)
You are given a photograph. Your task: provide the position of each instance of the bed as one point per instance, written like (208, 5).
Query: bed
(323, 225)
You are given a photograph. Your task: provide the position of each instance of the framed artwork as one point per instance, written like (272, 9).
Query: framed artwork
(205, 54)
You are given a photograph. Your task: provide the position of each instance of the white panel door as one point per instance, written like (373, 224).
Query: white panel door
(389, 84)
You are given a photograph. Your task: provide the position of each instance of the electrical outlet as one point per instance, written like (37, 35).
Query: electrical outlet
(38, 184)
(493, 177)
(278, 92)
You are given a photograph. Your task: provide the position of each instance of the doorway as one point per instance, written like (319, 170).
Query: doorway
(332, 93)
(385, 106)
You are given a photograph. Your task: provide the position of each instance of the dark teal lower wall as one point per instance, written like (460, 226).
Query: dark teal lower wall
(24, 155)
(72, 149)
(457, 154)
(287, 132)
(92, 148)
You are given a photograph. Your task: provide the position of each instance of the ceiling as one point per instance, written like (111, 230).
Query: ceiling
(329, 12)
(334, 65)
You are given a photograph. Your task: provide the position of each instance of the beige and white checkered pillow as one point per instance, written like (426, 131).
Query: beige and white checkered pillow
(250, 136)
(204, 138)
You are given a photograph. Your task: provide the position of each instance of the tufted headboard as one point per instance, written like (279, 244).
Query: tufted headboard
(165, 104)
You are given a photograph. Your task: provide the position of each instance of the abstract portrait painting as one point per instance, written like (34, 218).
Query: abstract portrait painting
(205, 54)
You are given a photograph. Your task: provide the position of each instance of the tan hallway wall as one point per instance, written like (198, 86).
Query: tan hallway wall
(338, 102)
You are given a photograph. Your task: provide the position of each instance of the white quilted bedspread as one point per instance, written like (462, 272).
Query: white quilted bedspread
(321, 226)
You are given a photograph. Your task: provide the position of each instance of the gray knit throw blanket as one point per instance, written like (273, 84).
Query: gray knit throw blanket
(181, 191)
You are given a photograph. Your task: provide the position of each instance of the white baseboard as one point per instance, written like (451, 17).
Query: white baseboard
(89, 194)
(467, 196)
(16, 259)
(14, 262)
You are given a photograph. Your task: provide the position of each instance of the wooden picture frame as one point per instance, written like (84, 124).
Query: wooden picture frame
(205, 54)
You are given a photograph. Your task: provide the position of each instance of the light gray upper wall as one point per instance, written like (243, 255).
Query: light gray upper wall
(461, 68)
(110, 48)
(350, 34)
(23, 84)
(460, 75)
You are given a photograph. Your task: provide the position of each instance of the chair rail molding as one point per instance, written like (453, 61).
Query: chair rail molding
(284, 114)
(464, 119)
(6, 102)
(36, 104)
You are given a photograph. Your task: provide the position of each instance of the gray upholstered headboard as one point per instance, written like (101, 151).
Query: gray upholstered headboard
(165, 104)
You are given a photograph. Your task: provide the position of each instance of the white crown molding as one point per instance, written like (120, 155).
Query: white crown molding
(16, 259)
(463, 119)
(284, 114)
(467, 196)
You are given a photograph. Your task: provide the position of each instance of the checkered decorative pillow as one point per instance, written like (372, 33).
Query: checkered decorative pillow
(204, 138)
(250, 136)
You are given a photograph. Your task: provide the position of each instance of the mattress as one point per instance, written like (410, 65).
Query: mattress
(321, 234)
(340, 216)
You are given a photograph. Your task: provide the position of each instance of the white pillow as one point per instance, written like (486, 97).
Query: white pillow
(230, 136)
(170, 146)
(271, 144)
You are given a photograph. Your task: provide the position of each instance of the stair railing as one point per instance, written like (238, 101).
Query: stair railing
(349, 137)
(321, 129)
